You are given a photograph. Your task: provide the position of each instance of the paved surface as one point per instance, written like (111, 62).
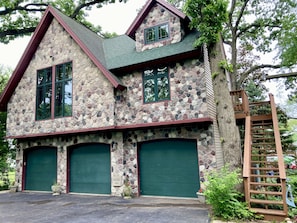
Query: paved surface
(44, 208)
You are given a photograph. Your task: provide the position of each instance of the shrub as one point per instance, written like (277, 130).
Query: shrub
(221, 194)
(292, 180)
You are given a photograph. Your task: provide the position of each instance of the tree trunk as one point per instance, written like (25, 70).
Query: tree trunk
(229, 132)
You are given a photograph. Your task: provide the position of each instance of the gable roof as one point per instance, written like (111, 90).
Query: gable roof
(116, 54)
(89, 42)
(120, 52)
(147, 8)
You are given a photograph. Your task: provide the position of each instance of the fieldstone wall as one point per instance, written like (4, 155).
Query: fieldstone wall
(63, 143)
(93, 97)
(187, 92)
(205, 147)
(123, 149)
(157, 16)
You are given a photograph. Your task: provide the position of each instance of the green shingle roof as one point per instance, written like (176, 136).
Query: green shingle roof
(120, 51)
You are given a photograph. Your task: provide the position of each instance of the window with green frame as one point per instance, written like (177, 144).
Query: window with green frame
(156, 85)
(156, 33)
(54, 86)
(44, 94)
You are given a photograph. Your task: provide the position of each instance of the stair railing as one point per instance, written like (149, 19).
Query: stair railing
(247, 159)
(279, 151)
(240, 102)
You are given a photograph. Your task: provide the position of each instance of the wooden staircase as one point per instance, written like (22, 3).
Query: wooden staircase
(264, 174)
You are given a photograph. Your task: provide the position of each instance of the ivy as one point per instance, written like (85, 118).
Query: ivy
(227, 66)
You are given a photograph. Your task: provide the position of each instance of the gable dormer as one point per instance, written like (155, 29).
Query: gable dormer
(158, 24)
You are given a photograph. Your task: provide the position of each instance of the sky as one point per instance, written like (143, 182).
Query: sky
(115, 17)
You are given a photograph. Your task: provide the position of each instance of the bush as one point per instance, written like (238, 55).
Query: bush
(221, 194)
(292, 180)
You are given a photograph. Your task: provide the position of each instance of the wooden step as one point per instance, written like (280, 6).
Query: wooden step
(261, 119)
(265, 176)
(264, 168)
(266, 129)
(277, 193)
(263, 144)
(260, 201)
(262, 137)
(265, 184)
(264, 162)
(271, 215)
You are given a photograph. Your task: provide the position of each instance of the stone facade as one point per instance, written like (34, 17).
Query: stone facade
(188, 97)
(157, 16)
(93, 98)
(123, 148)
(97, 106)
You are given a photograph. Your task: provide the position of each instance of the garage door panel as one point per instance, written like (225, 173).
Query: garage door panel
(41, 169)
(90, 169)
(169, 168)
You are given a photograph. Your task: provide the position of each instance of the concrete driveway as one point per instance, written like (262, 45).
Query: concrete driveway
(25, 207)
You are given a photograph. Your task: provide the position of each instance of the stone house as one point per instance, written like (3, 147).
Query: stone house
(92, 113)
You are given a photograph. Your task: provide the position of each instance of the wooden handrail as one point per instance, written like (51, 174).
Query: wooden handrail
(247, 158)
(240, 101)
(279, 151)
(245, 102)
(247, 147)
(278, 145)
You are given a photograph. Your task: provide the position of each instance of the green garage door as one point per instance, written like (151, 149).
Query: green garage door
(90, 169)
(169, 168)
(40, 168)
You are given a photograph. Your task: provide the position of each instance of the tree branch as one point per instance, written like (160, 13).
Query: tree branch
(244, 75)
(240, 14)
(7, 11)
(284, 75)
(17, 32)
(255, 26)
(81, 6)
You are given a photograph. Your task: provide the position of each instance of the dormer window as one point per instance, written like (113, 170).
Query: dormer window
(156, 85)
(156, 33)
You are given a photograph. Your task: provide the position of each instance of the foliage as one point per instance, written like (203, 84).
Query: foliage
(225, 65)
(222, 195)
(287, 139)
(20, 18)
(4, 147)
(248, 28)
(292, 180)
(254, 91)
(290, 84)
(208, 17)
(7, 179)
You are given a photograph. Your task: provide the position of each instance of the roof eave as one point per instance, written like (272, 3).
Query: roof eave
(145, 10)
(104, 70)
(31, 48)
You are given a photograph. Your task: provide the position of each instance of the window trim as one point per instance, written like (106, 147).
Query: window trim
(156, 33)
(53, 92)
(42, 87)
(155, 78)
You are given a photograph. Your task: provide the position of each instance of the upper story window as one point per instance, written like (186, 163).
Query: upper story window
(156, 85)
(156, 33)
(54, 92)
